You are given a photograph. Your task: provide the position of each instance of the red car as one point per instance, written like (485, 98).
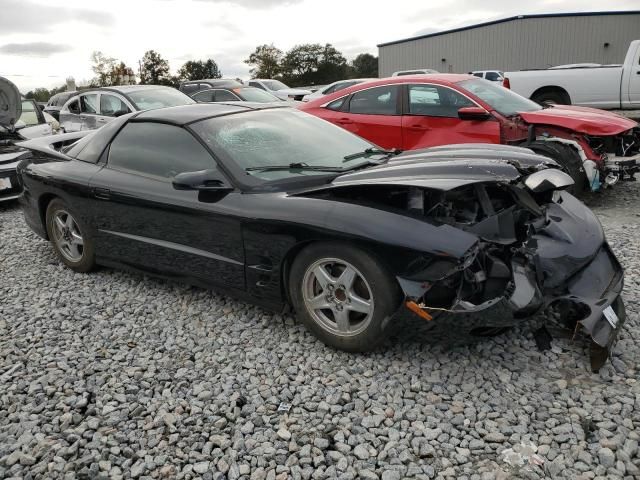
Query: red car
(413, 112)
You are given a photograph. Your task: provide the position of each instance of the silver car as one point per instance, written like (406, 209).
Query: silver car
(94, 108)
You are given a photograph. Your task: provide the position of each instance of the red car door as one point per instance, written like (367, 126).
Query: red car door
(372, 113)
(431, 118)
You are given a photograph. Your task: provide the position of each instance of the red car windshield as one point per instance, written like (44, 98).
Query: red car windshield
(501, 99)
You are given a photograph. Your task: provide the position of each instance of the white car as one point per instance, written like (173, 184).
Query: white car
(491, 75)
(415, 71)
(609, 87)
(334, 87)
(94, 108)
(279, 89)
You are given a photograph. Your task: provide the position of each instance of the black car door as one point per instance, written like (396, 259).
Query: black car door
(144, 222)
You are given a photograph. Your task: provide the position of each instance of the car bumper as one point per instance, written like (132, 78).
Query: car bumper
(10, 188)
(623, 168)
(596, 288)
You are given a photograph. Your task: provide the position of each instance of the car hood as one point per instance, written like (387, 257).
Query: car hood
(10, 104)
(448, 169)
(293, 91)
(590, 121)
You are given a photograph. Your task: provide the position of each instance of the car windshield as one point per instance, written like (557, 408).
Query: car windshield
(274, 85)
(279, 137)
(252, 94)
(499, 98)
(159, 98)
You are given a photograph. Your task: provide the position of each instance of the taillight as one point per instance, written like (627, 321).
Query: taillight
(506, 83)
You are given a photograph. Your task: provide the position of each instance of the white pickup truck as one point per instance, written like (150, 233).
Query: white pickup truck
(609, 87)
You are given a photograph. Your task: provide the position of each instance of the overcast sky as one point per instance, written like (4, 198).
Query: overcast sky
(44, 41)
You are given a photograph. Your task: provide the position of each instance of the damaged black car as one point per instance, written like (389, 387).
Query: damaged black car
(285, 209)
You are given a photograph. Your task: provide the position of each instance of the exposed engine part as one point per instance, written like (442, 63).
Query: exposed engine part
(621, 153)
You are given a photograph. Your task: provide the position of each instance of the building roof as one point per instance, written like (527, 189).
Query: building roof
(511, 19)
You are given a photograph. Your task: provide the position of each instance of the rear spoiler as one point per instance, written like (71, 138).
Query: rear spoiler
(51, 144)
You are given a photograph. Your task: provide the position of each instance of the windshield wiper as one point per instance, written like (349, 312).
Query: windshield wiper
(372, 151)
(295, 166)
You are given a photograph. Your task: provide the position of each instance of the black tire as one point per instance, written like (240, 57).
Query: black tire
(551, 96)
(85, 251)
(372, 275)
(568, 159)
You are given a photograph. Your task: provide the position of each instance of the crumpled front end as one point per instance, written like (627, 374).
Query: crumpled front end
(620, 153)
(538, 247)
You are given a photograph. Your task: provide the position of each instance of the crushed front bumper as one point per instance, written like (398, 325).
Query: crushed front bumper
(594, 289)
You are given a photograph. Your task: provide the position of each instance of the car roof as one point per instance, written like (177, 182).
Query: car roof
(124, 89)
(436, 78)
(185, 114)
(211, 80)
(61, 94)
(130, 88)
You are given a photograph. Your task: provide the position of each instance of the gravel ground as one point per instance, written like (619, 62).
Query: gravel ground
(113, 375)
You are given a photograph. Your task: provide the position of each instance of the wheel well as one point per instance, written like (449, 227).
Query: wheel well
(552, 89)
(288, 260)
(43, 203)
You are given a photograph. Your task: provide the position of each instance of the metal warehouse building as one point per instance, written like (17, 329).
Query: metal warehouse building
(516, 43)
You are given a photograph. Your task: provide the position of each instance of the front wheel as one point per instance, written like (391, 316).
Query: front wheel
(343, 295)
(69, 237)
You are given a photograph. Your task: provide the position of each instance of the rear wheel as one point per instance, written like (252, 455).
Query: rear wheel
(568, 159)
(343, 295)
(69, 237)
(554, 96)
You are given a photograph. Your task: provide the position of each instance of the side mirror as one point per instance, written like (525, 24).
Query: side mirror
(119, 113)
(202, 180)
(473, 113)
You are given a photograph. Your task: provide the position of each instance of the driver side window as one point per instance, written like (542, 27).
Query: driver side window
(74, 107)
(110, 104)
(436, 101)
(89, 103)
(158, 150)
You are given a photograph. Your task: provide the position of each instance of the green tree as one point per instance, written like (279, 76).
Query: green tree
(102, 68)
(265, 61)
(60, 89)
(313, 64)
(364, 65)
(120, 74)
(39, 94)
(198, 69)
(154, 69)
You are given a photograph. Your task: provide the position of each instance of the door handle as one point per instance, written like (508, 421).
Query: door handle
(419, 127)
(100, 119)
(344, 121)
(102, 193)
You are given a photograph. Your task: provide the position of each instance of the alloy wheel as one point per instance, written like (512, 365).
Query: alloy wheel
(338, 297)
(67, 236)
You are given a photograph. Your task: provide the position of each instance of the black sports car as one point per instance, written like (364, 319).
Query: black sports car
(287, 209)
